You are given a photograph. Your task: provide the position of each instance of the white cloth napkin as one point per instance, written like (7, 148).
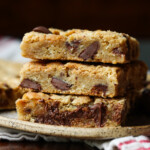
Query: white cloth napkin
(124, 143)
(9, 50)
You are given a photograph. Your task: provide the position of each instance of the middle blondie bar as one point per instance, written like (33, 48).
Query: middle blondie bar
(83, 79)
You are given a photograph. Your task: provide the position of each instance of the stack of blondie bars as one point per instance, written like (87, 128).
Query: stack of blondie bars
(79, 78)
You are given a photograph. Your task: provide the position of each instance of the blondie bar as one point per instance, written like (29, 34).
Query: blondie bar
(69, 110)
(79, 45)
(83, 79)
(9, 81)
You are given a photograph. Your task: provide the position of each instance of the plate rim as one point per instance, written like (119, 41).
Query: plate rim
(74, 132)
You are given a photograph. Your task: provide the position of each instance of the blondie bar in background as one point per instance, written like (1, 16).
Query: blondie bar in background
(9, 81)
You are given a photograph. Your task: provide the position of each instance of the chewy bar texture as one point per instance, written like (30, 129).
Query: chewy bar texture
(80, 45)
(83, 79)
(68, 110)
(9, 81)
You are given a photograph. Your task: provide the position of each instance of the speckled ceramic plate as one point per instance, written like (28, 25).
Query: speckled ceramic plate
(9, 119)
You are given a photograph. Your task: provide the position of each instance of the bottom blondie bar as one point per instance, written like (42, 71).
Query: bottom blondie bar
(69, 110)
(9, 81)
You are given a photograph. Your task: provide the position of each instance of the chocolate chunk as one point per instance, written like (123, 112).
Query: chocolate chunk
(39, 119)
(99, 88)
(27, 110)
(73, 45)
(96, 109)
(90, 51)
(67, 72)
(59, 84)
(116, 116)
(54, 116)
(103, 114)
(117, 51)
(27, 83)
(71, 99)
(41, 29)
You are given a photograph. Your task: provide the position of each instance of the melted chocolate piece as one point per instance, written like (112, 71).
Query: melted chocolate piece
(27, 83)
(97, 109)
(90, 51)
(55, 117)
(117, 113)
(42, 29)
(73, 45)
(59, 84)
(99, 88)
(103, 115)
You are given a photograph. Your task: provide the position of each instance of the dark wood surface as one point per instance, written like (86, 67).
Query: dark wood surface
(41, 145)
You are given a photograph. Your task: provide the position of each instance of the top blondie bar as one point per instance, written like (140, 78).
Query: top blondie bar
(79, 45)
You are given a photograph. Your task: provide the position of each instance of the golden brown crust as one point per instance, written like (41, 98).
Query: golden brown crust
(82, 79)
(112, 47)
